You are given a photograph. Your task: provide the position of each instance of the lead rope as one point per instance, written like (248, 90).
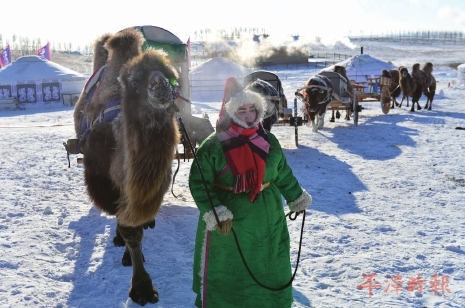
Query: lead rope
(183, 129)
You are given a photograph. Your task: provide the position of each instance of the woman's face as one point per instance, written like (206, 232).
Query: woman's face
(247, 113)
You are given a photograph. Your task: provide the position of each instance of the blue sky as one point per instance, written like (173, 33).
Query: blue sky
(82, 21)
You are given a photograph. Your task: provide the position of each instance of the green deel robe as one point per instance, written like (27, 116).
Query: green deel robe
(220, 277)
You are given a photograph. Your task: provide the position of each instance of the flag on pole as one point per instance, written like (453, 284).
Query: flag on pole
(45, 52)
(5, 58)
(188, 44)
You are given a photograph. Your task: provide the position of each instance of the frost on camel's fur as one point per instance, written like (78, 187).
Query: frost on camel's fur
(127, 158)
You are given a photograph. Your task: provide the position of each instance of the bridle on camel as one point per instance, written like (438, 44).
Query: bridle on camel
(290, 214)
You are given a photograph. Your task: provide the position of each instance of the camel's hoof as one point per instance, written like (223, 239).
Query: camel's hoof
(118, 241)
(126, 260)
(150, 224)
(332, 120)
(142, 292)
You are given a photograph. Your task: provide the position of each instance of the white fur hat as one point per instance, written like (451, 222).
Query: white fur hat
(242, 98)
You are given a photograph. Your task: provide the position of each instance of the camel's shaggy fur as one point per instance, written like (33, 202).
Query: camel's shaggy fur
(127, 161)
(394, 88)
(100, 59)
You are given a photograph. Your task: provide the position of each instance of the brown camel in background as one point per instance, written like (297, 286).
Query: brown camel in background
(407, 84)
(430, 90)
(128, 156)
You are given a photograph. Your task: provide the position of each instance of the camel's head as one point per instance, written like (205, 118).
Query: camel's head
(150, 80)
(161, 90)
(385, 73)
(403, 72)
(317, 90)
(428, 67)
(415, 67)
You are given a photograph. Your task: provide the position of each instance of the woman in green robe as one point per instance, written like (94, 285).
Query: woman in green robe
(246, 175)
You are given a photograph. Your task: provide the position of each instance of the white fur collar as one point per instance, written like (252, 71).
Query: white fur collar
(242, 98)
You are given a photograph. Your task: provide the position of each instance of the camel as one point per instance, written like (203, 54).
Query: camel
(394, 88)
(128, 156)
(407, 84)
(424, 81)
(430, 90)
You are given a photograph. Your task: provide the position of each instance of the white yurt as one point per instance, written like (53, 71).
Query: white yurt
(209, 78)
(35, 82)
(363, 66)
(461, 73)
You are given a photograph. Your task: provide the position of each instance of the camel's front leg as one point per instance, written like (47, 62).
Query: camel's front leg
(142, 290)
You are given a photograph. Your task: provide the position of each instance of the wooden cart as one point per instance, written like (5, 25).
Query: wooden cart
(376, 89)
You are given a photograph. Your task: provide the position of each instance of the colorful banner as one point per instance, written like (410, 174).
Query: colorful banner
(45, 52)
(5, 58)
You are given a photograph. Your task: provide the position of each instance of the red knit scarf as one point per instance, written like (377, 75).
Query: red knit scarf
(246, 150)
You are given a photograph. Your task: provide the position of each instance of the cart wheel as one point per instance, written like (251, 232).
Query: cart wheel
(385, 100)
(355, 107)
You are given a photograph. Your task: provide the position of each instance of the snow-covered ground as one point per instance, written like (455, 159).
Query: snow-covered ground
(387, 210)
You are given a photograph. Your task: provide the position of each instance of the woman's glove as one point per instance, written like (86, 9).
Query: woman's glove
(224, 216)
(301, 203)
(225, 227)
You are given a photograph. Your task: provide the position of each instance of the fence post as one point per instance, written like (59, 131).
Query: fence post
(295, 123)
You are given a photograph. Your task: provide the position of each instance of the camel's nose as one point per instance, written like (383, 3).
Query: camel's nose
(159, 81)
